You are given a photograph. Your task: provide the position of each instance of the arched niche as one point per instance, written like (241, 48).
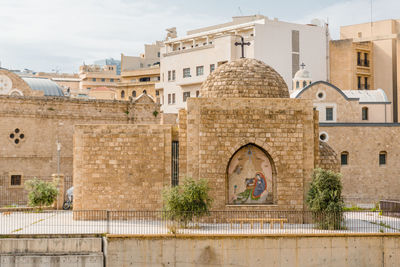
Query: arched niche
(251, 177)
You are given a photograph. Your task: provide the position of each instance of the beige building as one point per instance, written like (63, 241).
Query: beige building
(357, 124)
(103, 93)
(140, 81)
(367, 57)
(93, 76)
(256, 147)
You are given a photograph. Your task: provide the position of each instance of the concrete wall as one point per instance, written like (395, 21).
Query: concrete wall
(343, 251)
(62, 252)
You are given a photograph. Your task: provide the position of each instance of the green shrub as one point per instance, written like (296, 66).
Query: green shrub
(185, 202)
(325, 199)
(41, 193)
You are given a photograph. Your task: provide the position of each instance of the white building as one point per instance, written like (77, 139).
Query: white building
(187, 61)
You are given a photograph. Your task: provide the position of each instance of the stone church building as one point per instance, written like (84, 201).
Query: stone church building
(254, 144)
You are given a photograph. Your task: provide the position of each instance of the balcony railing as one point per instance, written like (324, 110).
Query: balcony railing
(363, 86)
(363, 62)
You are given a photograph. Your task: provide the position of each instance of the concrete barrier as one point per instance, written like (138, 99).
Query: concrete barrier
(334, 250)
(63, 252)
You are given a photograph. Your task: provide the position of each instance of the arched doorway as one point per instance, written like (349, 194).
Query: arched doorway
(251, 177)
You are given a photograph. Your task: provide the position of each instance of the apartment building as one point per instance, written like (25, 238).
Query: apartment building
(93, 76)
(187, 61)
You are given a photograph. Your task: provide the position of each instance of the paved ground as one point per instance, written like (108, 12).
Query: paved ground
(63, 223)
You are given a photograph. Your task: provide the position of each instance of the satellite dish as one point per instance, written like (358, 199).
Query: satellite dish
(317, 22)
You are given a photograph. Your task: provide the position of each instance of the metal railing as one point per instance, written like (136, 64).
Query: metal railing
(216, 222)
(363, 62)
(390, 207)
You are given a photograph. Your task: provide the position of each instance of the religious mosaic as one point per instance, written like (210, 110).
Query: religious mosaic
(250, 177)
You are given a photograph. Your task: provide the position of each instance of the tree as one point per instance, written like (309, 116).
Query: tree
(184, 202)
(41, 193)
(325, 199)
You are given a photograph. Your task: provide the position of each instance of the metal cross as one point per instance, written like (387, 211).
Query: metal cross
(242, 44)
(302, 65)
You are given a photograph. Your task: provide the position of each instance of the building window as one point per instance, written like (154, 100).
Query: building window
(212, 68)
(173, 75)
(103, 80)
(185, 96)
(304, 84)
(366, 86)
(17, 136)
(157, 92)
(122, 94)
(169, 98)
(344, 158)
(359, 63)
(112, 80)
(169, 75)
(186, 72)
(364, 113)
(359, 82)
(93, 79)
(197, 93)
(144, 79)
(144, 92)
(158, 54)
(133, 93)
(88, 88)
(382, 158)
(199, 70)
(323, 137)
(16, 180)
(366, 61)
(173, 98)
(297, 85)
(329, 114)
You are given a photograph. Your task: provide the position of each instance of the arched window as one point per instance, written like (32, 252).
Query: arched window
(364, 113)
(304, 83)
(344, 158)
(144, 92)
(382, 158)
(133, 93)
(122, 94)
(297, 84)
(251, 177)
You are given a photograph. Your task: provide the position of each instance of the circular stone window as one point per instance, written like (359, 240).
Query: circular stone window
(323, 136)
(16, 136)
(321, 95)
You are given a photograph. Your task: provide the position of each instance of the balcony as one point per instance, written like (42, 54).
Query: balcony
(363, 63)
(364, 86)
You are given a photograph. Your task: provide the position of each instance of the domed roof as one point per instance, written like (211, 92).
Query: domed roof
(244, 78)
(49, 87)
(302, 74)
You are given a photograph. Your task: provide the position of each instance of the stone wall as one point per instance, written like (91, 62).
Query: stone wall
(121, 167)
(43, 121)
(217, 128)
(364, 180)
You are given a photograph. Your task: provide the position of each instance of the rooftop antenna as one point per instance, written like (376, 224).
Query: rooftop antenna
(240, 11)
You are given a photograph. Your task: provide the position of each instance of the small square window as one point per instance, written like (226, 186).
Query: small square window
(16, 180)
(186, 72)
(94, 79)
(344, 158)
(199, 70)
(103, 80)
(382, 158)
(329, 114)
(111, 80)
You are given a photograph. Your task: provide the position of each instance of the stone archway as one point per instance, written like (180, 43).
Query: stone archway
(251, 177)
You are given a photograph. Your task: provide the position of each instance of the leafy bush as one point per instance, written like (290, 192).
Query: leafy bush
(185, 202)
(325, 199)
(41, 193)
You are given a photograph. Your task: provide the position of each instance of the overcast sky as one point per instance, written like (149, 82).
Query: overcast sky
(44, 35)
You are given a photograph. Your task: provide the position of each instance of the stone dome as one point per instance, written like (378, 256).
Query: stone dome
(244, 78)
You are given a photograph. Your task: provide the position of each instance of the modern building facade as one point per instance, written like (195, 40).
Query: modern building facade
(93, 76)
(187, 61)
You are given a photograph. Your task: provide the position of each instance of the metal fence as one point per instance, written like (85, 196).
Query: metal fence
(390, 207)
(216, 222)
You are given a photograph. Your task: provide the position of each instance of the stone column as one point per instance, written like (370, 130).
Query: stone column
(59, 180)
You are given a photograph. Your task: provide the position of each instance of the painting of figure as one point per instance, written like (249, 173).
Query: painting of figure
(250, 177)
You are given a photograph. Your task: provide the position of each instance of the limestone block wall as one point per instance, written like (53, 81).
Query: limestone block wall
(284, 128)
(44, 120)
(364, 180)
(121, 167)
